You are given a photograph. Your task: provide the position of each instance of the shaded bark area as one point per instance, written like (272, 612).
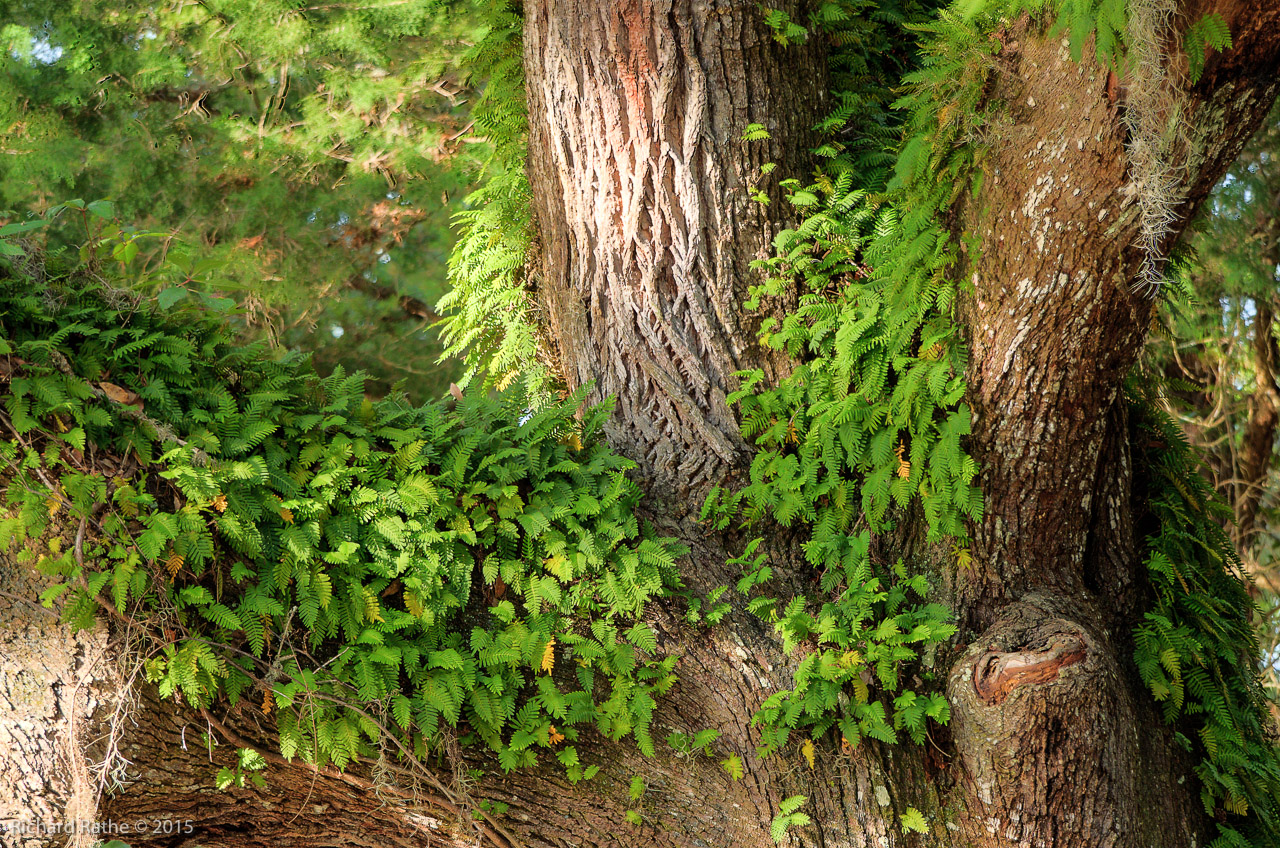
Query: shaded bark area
(690, 799)
(56, 688)
(175, 754)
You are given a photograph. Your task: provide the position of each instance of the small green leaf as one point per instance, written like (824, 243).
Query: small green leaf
(22, 227)
(167, 298)
(103, 209)
(913, 820)
(218, 304)
(125, 251)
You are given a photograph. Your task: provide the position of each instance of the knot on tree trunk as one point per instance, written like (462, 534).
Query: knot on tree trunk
(1043, 727)
(1000, 671)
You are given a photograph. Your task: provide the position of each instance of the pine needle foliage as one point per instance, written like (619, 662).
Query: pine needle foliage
(310, 148)
(362, 566)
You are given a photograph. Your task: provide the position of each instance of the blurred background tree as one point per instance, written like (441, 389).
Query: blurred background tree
(1223, 373)
(315, 161)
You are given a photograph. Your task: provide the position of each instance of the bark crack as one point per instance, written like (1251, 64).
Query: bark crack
(997, 674)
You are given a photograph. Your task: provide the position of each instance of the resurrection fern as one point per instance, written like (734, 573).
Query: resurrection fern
(871, 419)
(1196, 649)
(1106, 20)
(872, 47)
(362, 567)
(489, 314)
(1210, 33)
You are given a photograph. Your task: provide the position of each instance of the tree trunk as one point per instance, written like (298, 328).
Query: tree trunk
(647, 230)
(56, 687)
(646, 236)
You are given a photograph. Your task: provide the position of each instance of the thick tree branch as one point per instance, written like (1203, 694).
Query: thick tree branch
(1057, 316)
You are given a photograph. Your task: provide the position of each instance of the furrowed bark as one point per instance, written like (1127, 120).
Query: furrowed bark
(647, 230)
(56, 689)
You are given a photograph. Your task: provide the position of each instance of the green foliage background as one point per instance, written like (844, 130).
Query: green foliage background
(315, 153)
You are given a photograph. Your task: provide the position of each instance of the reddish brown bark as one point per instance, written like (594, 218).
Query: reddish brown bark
(647, 230)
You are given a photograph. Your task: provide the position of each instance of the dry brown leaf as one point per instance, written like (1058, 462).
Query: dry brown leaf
(119, 394)
(904, 464)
